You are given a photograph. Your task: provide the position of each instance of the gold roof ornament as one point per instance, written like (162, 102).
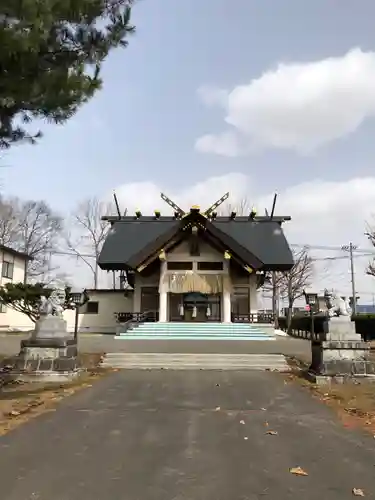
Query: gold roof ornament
(227, 255)
(248, 269)
(162, 255)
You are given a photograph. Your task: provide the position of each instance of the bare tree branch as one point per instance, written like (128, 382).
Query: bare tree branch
(370, 233)
(31, 227)
(89, 233)
(294, 282)
(241, 208)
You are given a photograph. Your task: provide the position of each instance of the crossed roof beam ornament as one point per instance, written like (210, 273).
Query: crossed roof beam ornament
(178, 210)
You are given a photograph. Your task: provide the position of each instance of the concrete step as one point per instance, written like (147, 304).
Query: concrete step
(203, 330)
(204, 326)
(198, 331)
(192, 336)
(177, 361)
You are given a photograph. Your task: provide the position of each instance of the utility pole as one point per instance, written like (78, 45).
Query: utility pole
(349, 248)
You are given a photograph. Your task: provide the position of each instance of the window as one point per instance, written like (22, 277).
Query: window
(3, 308)
(92, 307)
(8, 269)
(210, 266)
(179, 266)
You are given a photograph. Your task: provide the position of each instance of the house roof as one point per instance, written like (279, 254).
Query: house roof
(259, 243)
(16, 253)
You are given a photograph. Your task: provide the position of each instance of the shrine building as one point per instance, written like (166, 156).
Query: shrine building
(196, 266)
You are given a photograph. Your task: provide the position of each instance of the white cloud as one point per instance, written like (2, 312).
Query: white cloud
(323, 214)
(212, 96)
(225, 144)
(297, 106)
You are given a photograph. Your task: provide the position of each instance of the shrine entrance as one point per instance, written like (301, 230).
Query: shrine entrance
(195, 307)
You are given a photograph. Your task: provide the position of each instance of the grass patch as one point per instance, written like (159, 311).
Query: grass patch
(353, 402)
(19, 402)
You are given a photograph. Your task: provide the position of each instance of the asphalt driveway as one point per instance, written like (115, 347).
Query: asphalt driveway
(197, 435)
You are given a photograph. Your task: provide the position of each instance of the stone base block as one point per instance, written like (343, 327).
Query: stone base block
(348, 358)
(338, 379)
(50, 377)
(47, 359)
(48, 348)
(50, 326)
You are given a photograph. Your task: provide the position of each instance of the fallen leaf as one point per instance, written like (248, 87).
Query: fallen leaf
(14, 413)
(358, 492)
(272, 433)
(298, 471)
(217, 408)
(246, 438)
(263, 409)
(266, 424)
(242, 422)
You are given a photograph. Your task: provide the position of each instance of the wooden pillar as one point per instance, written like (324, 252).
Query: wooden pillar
(163, 294)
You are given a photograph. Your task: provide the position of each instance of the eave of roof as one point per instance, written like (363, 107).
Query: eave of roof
(16, 253)
(166, 218)
(135, 242)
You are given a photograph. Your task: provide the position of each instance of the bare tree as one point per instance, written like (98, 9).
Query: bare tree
(31, 227)
(293, 283)
(370, 233)
(241, 208)
(272, 283)
(88, 233)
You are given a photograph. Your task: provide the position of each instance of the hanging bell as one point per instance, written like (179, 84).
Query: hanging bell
(208, 312)
(194, 313)
(181, 309)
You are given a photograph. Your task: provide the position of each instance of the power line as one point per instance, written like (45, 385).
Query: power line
(366, 253)
(341, 257)
(72, 254)
(333, 248)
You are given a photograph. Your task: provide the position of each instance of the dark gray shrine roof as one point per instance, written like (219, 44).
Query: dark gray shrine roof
(265, 239)
(131, 241)
(127, 238)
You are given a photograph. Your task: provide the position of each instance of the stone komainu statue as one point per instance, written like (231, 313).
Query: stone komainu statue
(336, 305)
(54, 305)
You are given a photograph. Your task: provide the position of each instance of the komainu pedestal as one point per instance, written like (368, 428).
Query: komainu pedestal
(50, 353)
(343, 353)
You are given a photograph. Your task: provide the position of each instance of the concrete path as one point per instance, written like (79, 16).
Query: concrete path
(159, 435)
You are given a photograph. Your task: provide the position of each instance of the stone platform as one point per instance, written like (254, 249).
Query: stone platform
(49, 354)
(342, 355)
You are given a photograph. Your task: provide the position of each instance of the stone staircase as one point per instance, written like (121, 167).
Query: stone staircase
(198, 331)
(167, 361)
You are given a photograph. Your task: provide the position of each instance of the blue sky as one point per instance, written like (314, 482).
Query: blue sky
(144, 124)
(145, 121)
